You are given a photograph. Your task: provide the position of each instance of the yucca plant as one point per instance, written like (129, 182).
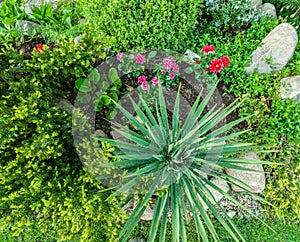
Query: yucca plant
(173, 159)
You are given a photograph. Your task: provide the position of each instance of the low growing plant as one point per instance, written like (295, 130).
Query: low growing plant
(172, 160)
(232, 13)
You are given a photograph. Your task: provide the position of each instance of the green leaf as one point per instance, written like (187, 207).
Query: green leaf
(159, 210)
(99, 105)
(114, 77)
(188, 70)
(105, 100)
(111, 114)
(83, 85)
(84, 97)
(113, 96)
(152, 54)
(94, 76)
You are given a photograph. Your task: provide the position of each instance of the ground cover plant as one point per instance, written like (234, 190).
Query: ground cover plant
(47, 193)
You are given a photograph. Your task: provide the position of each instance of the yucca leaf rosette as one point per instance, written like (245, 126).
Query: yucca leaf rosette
(175, 159)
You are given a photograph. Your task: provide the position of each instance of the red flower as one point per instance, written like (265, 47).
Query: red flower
(216, 65)
(225, 60)
(197, 62)
(208, 49)
(40, 48)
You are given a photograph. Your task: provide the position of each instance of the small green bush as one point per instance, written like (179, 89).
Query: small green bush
(41, 176)
(142, 24)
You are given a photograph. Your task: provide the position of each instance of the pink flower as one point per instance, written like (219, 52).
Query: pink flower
(225, 60)
(120, 56)
(163, 72)
(40, 48)
(141, 79)
(208, 49)
(145, 86)
(172, 76)
(216, 65)
(175, 67)
(169, 63)
(140, 59)
(154, 81)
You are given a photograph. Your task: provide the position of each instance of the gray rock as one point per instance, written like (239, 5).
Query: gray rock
(147, 215)
(221, 184)
(77, 39)
(189, 56)
(217, 195)
(269, 9)
(291, 88)
(255, 180)
(30, 3)
(277, 49)
(26, 26)
(257, 2)
(231, 213)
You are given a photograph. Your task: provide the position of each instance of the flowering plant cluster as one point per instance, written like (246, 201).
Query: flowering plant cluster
(209, 62)
(39, 48)
(234, 13)
(132, 64)
(168, 72)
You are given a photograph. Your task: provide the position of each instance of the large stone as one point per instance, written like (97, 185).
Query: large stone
(30, 3)
(147, 215)
(255, 180)
(221, 184)
(189, 56)
(216, 194)
(277, 49)
(269, 10)
(291, 88)
(26, 26)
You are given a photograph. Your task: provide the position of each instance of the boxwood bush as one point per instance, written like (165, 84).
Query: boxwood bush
(142, 24)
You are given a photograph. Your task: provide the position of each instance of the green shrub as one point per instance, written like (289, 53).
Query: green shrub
(277, 124)
(41, 176)
(141, 24)
(288, 10)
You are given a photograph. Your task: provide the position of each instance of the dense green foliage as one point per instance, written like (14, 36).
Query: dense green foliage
(288, 10)
(45, 193)
(44, 21)
(253, 230)
(139, 24)
(42, 179)
(276, 122)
